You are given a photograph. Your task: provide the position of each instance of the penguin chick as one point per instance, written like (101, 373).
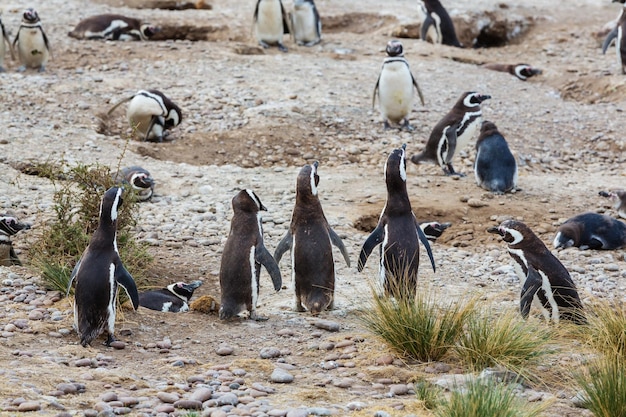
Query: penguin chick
(113, 27)
(306, 24)
(139, 180)
(434, 230)
(31, 42)
(435, 16)
(618, 198)
(543, 277)
(394, 87)
(9, 226)
(173, 298)
(270, 23)
(521, 71)
(591, 231)
(495, 167)
(4, 44)
(452, 133)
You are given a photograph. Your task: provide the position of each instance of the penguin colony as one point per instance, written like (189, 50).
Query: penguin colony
(309, 239)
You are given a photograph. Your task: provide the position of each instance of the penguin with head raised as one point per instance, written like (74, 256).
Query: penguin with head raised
(618, 34)
(98, 274)
(4, 44)
(618, 197)
(398, 233)
(8, 227)
(139, 180)
(435, 16)
(434, 230)
(243, 255)
(173, 298)
(270, 23)
(306, 24)
(31, 42)
(150, 114)
(543, 276)
(310, 240)
(113, 27)
(394, 87)
(495, 167)
(591, 231)
(521, 71)
(452, 133)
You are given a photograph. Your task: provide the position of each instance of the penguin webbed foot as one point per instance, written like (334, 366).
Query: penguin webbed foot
(406, 126)
(449, 171)
(282, 47)
(22, 68)
(299, 308)
(42, 69)
(110, 339)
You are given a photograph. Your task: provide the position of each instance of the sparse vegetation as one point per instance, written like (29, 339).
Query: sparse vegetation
(430, 394)
(604, 386)
(606, 332)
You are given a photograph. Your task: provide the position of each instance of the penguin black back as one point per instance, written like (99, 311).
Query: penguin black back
(438, 16)
(495, 167)
(591, 231)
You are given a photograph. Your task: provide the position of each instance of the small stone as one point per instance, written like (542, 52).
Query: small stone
(35, 315)
(188, 404)
(329, 325)
(281, 376)
(224, 350)
(319, 411)
(384, 360)
(168, 397)
(118, 344)
(228, 399)
(29, 406)
(398, 389)
(202, 394)
(67, 388)
(476, 203)
(83, 362)
(269, 353)
(356, 406)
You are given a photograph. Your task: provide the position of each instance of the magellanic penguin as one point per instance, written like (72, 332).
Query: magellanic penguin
(173, 298)
(243, 255)
(434, 230)
(542, 275)
(270, 23)
(495, 167)
(452, 133)
(591, 231)
(32, 47)
(113, 27)
(398, 233)
(310, 240)
(619, 35)
(521, 71)
(306, 25)
(150, 114)
(8, 227)
(4, 44)
(98, 274)
(138, 179)
(437, 17)
(394, 87)
(618, 197)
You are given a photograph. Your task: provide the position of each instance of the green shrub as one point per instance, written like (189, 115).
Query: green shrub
(606, 331)
(604, 386)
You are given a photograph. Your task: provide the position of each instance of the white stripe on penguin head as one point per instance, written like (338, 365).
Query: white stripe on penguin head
(254, 198)
(118, 195)
(517, 236)
(403, 165)
(313, 186)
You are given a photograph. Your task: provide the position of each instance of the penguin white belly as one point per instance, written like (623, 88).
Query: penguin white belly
(31, 48)
(469, 132)
(111, 308)
(253, 281)
(304, 25)
(269, 23)
(383, 271)
(547, 288)
(395, 91)
(140, 111)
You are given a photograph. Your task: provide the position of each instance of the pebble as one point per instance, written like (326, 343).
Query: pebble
(188, 404)
(269, 353)
(281, 376)
(201, 394)
(29, 406)
(168, 397)
(331, 326)
(224, 350)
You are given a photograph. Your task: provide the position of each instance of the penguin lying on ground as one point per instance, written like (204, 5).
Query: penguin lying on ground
(306, 24)
(150, 114)
(139, 180)
(8, 227)
(433, 230)
(619, 35)
(32, 47)
(452, 133)
(591, 231)
(434, 16)
(270, 23)
(542, 275)
(521, 71)
(495, 167)
(4, 44)
(113, 27)
(394, 87)
(173, 298)
(618, 197)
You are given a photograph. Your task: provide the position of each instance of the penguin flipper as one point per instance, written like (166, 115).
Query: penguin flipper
(374, 239)
(72, 276)
(16, 39)
(283, 246)
(424, 240)
(426, 24)
(153, 121)
(6, 38)
(375, 91)
(126, 100)
(45, 41)
(609, 38)
(336, 240)
(285, 19)
(531, 286)
(123, 278)
(262, 256)
(451, 138)
(419, 91)
(13, 257)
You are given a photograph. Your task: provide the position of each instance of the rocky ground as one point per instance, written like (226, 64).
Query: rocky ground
(252, 118)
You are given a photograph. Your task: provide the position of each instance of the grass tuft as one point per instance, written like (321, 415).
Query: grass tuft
(606, 332)
(604, 386)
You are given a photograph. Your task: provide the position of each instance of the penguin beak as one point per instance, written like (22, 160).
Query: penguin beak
(495, 230)
(262, 207)
(191, 287)
(483, 97)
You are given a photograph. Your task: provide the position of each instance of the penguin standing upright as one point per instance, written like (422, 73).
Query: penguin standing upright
(591, 231)
(8, 227)
(618, 197)
(310, 240)
(452, 133)
(173, 298)
(98, 274)
(306, 24)
(398, 233)
(150, 114)
(243, 255)
(521, 71)
(394, 87)
(619, 35)
(542, 275)
(270, 23)
(436, 16)
(32, 48)
(495, 167)
(139, 180)
(4, 44)
(113, 27)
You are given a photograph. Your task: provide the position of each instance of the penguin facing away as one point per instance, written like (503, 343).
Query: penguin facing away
(452, 133)
(98, 274)
(495, 167)
(521, 71)
(398, 233)
(591, 231)
(618, 34)
(173, 298)
(139, 180)
(618, 197)
(9, 226)
(4, 44)
(243, 255)
(394, 87)
(542, 275)
(436, 16)
(32, 47)
(270, 23)
(113, 27)
(306, 24)
(310, 240)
